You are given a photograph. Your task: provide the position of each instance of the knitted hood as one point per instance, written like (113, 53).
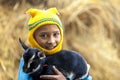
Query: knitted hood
(43, 17)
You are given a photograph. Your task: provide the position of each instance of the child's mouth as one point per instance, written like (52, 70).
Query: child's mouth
(50, 47)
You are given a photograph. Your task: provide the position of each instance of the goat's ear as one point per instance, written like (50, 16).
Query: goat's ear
(41, 55)
(22, 44)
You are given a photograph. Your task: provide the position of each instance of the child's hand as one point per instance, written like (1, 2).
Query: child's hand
(58, 76)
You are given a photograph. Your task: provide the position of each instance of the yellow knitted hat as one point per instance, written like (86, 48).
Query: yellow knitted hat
(42, 17)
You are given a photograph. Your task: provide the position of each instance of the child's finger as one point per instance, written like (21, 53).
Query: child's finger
(48, 76)
(56, 71)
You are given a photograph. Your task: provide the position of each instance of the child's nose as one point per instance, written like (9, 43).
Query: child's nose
(51, 40)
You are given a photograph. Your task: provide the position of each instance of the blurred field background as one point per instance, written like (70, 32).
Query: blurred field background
(91, 27)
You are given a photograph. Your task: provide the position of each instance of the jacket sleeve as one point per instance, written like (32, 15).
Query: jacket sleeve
(87, 78)
(21, 74)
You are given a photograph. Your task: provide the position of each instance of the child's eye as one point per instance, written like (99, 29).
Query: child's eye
(43, 36)
(56, 34)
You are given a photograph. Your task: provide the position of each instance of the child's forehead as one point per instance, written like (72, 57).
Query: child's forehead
(48, 28)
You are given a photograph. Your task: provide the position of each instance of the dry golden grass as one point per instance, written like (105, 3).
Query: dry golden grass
(91, 27)
(93, 30)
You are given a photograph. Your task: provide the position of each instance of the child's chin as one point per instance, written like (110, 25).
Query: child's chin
(50, 48)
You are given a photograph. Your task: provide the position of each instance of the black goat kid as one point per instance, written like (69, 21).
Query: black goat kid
(70, 63)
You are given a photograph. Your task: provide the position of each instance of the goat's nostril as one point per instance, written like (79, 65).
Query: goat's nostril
(24, 70)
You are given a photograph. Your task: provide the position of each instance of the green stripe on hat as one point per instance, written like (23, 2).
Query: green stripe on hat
(33, 25)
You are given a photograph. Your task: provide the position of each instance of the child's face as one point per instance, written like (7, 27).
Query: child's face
(47, 36)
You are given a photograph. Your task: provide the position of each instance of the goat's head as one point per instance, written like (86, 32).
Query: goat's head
(33, 58)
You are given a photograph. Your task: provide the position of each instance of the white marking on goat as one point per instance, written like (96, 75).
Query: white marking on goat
(30, 61)
(34, 70)
(88, 68)
(70, 75)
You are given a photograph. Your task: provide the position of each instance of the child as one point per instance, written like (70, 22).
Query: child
(45, 33)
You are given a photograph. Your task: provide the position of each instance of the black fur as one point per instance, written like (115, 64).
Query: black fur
(65, 61)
